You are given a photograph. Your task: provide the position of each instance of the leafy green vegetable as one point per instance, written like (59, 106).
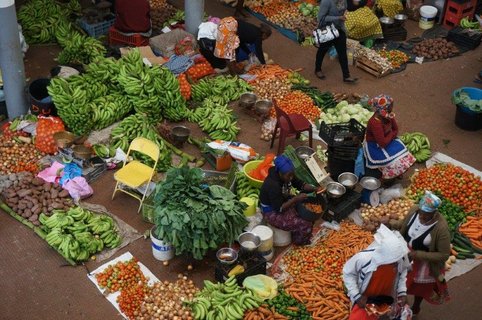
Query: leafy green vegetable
(462, 98)
(195, 218)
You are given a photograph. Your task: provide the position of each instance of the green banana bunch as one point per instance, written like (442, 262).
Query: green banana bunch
(218, 120)
(79, 233)
(244, 188)
(80, 49)
(109, 109)
(41, 19)
(101, 150)
(418, 145)
(227, 88)
(467, 24)
(223, 301)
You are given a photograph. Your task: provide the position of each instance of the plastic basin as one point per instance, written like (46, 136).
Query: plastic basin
(248, 167)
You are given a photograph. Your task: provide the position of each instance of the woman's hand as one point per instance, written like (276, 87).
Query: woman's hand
(412, 255)
(301, 197)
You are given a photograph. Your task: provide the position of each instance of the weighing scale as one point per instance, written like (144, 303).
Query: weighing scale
(253, 264)
(91, 169)
(340, 208)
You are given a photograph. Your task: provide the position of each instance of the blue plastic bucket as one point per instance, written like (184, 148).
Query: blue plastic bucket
(370, 197)
(465, 118)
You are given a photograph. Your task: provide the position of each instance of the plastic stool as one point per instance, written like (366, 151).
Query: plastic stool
(117, 38)
(457, 10)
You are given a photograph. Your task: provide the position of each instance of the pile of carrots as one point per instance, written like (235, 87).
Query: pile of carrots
(185, 86)
(452, 182)
(314, 207)
(298, 102)
(473, 230)
(317, 271)
(268, 71)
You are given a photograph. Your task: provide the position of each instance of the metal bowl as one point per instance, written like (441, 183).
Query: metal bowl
(227, 255)
(263, 106)
(304, 152)
(249, 241)
(247, 100)
(370, 183)
(335, 189)
(400, 17)
(64, 139)
(82, 152)
(386, 20)
(348, 179)
(180, 134)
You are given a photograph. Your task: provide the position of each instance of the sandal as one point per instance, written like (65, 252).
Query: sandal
(320, 75)
(350, 80)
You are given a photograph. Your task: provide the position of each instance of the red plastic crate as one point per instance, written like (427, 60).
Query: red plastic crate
(136, 40)
(457, 10)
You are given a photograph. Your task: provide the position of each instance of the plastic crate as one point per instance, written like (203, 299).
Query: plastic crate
(148, 209)
(117, 38)
(224, 179)
(97, 29)
(464, 38)
(342, 134)
(338, 166)
(343, 152)
(253, 265)
(342, 207)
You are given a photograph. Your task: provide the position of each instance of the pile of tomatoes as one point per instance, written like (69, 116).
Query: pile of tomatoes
(130, 300)
(298, 102)
(121, 276)
(184, 86)
(452, 182)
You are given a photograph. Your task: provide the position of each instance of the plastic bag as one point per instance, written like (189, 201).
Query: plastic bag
(46, 127)
(185, 47)
(78, 188)
(265, 287)
(71, 171)
(267, 129)
(53, 173)
(394, 192)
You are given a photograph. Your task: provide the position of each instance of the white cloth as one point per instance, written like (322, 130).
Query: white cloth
(207, 30)
(417, 229)
(388, 247)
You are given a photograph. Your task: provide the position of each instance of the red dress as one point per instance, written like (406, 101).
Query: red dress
(132, 16)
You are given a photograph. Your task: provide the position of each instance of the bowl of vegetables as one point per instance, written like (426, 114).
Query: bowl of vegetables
(227, 255)
(311, 209)
(248, 167)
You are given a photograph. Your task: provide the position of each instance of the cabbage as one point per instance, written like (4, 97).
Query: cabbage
(345, 117)
(341, 105)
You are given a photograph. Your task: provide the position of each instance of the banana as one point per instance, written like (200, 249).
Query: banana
(418, 144)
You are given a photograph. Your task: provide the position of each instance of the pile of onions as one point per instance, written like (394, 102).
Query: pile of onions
(389, 214)
(18, 156)
(165, 301)
(271, 88)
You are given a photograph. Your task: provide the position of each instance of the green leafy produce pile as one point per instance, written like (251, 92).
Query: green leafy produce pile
(195, 219)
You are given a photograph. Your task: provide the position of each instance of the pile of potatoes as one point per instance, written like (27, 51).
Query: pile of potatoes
(435, 49)
(390, 214)
(31, 196)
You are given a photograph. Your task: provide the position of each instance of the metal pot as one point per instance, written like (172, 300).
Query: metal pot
(335, 190)
(263, 106)
(387, 21)
(64, 139)
(180, 134)
(249, 241)
(348, 179)
(227, 255)
(247, 100)
(370, 183)
(82, 152)
(304, 152)
(400, 18)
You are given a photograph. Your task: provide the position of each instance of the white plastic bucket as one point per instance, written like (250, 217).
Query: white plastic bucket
(281, 238)
(161, 250)
(265, 234)
(427, 17)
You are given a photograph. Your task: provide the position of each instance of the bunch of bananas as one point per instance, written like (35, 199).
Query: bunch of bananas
(80, 49)
(244, 188)
(223, 301)
(467, 24)
(418, 145)
(138, 125)
(152, 90)
(228, 88)
(109, 109)
(104, 151)
(105, 70)
(78, 233)
(72, 104)
(41, 19)
(218, 122)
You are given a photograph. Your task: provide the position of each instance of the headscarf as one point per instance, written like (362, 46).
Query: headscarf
(389, 247)
(429, 202)
(283, 164)
(227, 39)
(381, 104)
(341, 5)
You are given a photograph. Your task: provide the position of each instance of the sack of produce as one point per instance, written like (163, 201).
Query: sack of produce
(46, 127)
(265, 287)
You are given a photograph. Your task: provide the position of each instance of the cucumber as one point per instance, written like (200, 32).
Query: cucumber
(460, 257)
(462, 244)
(467, 255)
(461, 250)
(463, 238)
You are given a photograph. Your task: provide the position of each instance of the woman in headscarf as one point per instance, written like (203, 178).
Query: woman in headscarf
(427, 234)
(375, 277)
(227, 40)
(278, 204)
(382, 149)
(361, 23)
(333, 11)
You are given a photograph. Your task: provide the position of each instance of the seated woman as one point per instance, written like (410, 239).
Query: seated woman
(382, 149)
(361, 23)
(133, 16)
(277, 203)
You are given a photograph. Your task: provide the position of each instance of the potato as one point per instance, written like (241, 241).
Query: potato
(28, 213)
(47, 187)
(54, 193)
(57, 205)
(37, 181)
(33, 217)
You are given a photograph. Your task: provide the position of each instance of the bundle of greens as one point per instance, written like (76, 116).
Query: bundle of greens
(196, 218)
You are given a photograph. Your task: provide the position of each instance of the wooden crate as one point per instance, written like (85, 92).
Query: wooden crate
(370, 67)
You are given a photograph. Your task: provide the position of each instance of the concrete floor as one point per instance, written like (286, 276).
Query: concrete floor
(35, 282)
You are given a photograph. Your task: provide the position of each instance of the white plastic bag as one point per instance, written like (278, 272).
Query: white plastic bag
(267, 129)
(394, 192)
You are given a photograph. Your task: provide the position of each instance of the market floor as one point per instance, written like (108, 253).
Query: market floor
(36, 283)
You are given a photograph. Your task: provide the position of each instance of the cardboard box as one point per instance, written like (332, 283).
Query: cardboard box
(146, 53)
